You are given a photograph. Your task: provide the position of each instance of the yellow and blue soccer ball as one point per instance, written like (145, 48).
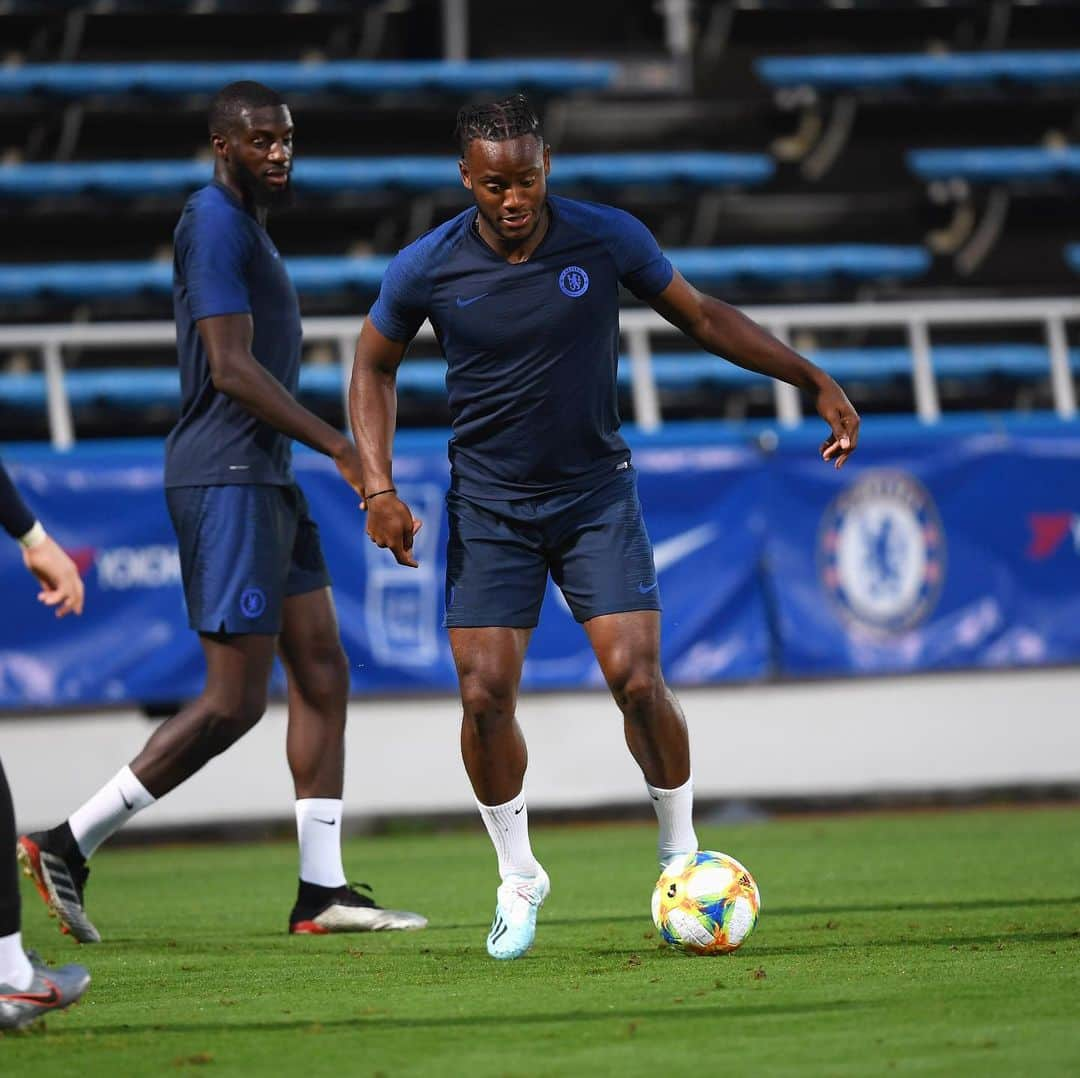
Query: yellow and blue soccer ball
(705, 903)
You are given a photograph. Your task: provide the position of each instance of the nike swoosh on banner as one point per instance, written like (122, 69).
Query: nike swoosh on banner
(670, 552)
(469, 302)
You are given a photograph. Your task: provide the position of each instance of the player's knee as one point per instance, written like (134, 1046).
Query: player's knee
(226, 721)
(638, 691)
(324, 681)
(486, 703)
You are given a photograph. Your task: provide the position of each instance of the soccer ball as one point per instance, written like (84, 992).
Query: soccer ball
(705, 903)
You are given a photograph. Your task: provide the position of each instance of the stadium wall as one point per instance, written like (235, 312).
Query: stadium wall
(909, 736)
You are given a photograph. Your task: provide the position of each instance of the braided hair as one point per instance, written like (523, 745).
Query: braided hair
(497, 121)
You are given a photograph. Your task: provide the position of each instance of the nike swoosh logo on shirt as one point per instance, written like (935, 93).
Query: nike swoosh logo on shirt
(469, 302)
(646, 588)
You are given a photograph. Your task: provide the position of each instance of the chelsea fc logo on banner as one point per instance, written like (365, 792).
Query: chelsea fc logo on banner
(574, 281)
(881, 552)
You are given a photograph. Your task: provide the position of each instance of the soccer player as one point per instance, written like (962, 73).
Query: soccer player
(252, 565)
(28, 987)
(522, 290)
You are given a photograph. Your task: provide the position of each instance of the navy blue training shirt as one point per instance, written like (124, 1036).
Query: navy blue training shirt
(531, 348)
(15, 518)
(225, 263)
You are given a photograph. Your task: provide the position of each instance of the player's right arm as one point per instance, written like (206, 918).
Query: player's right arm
(238, 374)
(373, 415)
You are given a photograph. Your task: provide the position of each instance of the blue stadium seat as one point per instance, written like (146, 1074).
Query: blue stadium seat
(807, 263)
(118, 387)
(337, 76)
(892, 71)
(359, 174)
(994, 164)
(87, 280)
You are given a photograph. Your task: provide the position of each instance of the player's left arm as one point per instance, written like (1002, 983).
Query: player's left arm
(62, 587)
(725, 331)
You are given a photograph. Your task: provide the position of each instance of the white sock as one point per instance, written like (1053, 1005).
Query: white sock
(508, 826)
(15, 968)
(108, 810)
(318, 829)
(675, 812)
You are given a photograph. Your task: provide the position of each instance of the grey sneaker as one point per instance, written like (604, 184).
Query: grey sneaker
(60, 883)
(50, 990)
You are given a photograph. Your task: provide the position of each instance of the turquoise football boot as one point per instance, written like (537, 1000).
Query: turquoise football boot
(518, 900)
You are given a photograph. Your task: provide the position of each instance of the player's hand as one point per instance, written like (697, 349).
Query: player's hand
(834, 407)
(347, 460)
(390, 524)
(62, 587)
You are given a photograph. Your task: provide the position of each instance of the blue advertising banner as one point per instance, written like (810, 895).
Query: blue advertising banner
(703, 505)
(942, 552)
(927, 552)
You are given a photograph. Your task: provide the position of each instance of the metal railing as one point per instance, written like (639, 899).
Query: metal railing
(637, 327)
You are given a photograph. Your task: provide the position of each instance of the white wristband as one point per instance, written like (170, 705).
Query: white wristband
(34, 537)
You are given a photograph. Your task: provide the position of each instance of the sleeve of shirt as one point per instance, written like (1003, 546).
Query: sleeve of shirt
(15, 518)
(401, 307)
(213, 257)
(642, 266)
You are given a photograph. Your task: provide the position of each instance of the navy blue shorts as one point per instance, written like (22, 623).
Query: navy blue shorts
(592, 542)
(243, 550)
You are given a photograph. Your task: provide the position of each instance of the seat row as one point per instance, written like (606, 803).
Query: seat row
(408, 173)
(826, 73)
(359, 77)
(324, 274)
(920, 70)
(425, 173)
(120, 387)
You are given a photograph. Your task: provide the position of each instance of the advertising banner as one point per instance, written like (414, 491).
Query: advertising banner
(133, 645)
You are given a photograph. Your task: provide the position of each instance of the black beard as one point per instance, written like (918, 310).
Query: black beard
(263, 196)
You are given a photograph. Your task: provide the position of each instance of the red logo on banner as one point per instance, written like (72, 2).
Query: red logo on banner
(1048, 532)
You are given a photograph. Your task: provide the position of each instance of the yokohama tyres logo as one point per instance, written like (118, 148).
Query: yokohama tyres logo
(125, 567)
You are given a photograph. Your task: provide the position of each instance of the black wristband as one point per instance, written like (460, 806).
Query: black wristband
(388, 490)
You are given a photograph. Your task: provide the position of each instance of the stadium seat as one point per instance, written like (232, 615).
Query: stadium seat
(995, 164)
(328, 174)
(333, 76)
(804, 263)
(919, 69)
(321, 274)
(121, 388)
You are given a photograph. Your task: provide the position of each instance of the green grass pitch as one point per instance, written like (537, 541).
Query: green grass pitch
(938, 943)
